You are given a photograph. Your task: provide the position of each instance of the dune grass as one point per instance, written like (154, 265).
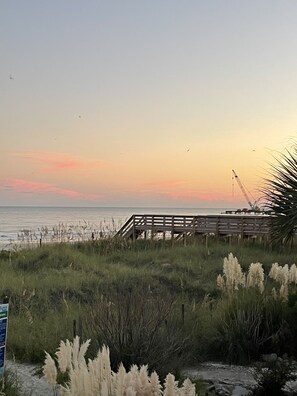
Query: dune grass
(52, 285)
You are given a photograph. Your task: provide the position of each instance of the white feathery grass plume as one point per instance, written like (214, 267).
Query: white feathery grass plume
(221, 282)
(105, 367)
(273, 271)
(104, 390)
(118, 381)
(134, 373)
(95, 380)
(285, 274)
(293, 274)
(188, 389)
(76, 382)
(137, 386)
(143, 384)
(81, 353)
(255, 277)
(49, 369)
(96, 365)
(75, 349)
(170, 386)
(283, 292)
(130, 392)
(274, 294)
(128, 382)
(156, 387)
(64, 356)
(280, 274)
(86, 381)
(100, 370)
(233, 273)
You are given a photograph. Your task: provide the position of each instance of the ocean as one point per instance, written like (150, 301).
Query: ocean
(20, 226)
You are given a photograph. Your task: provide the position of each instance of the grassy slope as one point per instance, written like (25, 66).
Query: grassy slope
(52, 285)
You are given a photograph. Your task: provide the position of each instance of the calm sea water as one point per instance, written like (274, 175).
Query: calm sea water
(21, 225)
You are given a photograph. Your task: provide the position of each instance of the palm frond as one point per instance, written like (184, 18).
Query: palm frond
(280, 193)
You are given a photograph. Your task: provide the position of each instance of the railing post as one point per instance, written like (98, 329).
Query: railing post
(153, 225)
(172, 230)
(242, 228)
(133, 229)
(217, 227)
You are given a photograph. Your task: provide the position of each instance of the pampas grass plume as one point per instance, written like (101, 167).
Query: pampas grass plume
(64, 354)
(170, 386)
(293, 274)
(96, 377)
(49, 370)
(255, 277)
(156, 388)
(283, 292)
(188, 388)
(234, 276)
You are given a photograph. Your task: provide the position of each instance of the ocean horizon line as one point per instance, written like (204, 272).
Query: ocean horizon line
(119, 207)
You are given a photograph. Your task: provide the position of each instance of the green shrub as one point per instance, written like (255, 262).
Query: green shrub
(271, 377)
(249, 325)
(137, 321)
(12, 386)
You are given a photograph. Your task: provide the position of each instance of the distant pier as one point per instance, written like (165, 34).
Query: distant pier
(149, 226)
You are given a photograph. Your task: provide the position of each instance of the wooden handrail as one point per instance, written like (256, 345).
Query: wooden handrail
(244, 225)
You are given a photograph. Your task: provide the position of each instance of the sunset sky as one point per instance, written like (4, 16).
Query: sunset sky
(144, 103)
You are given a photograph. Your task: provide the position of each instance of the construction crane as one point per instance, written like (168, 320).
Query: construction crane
(253, 207)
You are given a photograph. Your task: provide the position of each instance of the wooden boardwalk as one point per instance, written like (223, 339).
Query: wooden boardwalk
(171, 226)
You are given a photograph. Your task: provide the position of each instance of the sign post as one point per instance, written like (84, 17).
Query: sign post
(3, 336)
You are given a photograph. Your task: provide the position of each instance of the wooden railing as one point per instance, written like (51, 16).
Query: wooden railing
(244, 225)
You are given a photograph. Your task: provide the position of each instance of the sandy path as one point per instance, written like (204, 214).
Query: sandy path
(31, 384)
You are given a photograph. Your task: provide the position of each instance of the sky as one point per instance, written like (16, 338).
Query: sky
(144, 103)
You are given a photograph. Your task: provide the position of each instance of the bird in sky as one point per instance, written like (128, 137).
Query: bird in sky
(11, 77)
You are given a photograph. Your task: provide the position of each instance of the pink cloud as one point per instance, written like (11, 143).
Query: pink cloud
(55, 162)
(28, 186)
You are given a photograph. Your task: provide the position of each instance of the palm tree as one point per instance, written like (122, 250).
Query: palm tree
(280, 192)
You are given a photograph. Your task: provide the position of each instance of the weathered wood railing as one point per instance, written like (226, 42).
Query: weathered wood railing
(244, 225)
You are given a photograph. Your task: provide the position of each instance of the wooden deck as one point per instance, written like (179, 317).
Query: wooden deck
(149, 226)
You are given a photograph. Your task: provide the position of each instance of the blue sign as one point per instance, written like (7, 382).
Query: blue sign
(3, 335)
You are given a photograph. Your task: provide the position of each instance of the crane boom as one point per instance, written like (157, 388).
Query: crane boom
(243, 190)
